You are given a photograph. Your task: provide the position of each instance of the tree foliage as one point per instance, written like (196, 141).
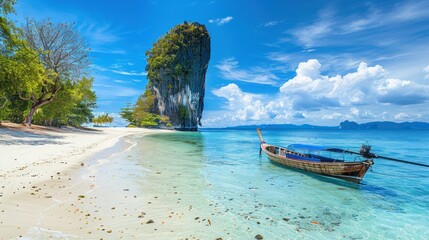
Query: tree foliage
(102, 119)
(42, 68)
(62, 52)
(72, 106)
(164, 53)
(6, 6)
(142, 113)
(20, 69)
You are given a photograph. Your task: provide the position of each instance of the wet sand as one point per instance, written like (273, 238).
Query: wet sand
(54, 184)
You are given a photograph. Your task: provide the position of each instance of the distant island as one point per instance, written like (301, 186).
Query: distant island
(346, 125)
(385, 125)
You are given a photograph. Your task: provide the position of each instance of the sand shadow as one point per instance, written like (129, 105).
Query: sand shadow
(14, 137)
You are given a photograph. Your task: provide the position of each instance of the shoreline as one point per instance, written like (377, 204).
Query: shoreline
(39, 171)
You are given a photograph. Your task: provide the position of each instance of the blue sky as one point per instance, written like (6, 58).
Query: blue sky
(314, 62)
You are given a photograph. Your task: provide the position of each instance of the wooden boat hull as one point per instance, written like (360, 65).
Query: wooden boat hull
(349, 171)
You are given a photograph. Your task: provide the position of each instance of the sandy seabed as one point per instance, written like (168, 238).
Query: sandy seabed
(50, 187)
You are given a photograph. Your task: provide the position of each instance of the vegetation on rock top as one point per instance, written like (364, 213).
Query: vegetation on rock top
(164, 53)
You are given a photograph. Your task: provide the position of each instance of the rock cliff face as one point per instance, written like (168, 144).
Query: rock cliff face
(177, 66)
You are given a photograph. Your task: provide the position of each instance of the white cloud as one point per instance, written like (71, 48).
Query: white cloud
(426, 70)
(409, 10)
(130, 73)
(100, 68)
(108, 51)
(309, 35)
(279, 57)
(115, 68)
(404, 12)
(99, 34)
(221, 21)
(271, 23)
(229, 69)
(120, 81)
(311, 97)
(401, 92)
(115, 91)
(309, 89)
(401, 116)
(246, 106)
(337, 30)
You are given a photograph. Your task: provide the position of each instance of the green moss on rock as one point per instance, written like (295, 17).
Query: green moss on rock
(164, 53)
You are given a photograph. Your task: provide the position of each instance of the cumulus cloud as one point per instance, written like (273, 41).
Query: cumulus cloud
(221, 21)
(402, 92)
(313, 96)
(229, 69)
(367, 85)
(247, 106)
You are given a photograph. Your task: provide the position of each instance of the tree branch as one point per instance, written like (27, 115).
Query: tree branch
(5, 101)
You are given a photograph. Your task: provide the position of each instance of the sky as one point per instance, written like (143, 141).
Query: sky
(272, 62)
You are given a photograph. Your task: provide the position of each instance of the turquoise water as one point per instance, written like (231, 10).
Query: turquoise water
(217, 175)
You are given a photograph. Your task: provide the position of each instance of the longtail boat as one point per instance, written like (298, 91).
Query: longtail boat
(306, 160)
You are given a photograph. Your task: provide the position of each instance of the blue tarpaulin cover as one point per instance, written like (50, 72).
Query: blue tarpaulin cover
(314, 148)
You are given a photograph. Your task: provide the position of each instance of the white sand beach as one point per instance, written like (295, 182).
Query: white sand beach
(39, 189)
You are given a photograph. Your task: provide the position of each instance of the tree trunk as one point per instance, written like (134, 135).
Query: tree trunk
(30, 115)
(33, 110)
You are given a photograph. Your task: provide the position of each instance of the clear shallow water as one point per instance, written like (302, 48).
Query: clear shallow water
(218, 176)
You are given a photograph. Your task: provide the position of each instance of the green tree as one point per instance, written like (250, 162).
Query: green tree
(62, 52)
(6, 6)
(102, 119)
(20, 69)
(72, 106)
(86, 102)
(40, 64)
(142, 113)
(127, 113)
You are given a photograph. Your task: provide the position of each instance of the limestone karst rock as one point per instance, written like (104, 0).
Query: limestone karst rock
(177, 66)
